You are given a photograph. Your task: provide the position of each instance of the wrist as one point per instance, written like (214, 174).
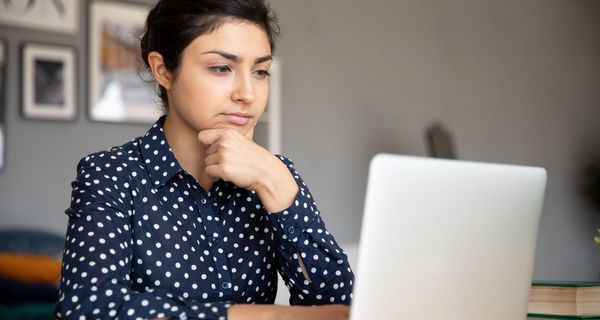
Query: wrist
(256, 312)
(277, 189)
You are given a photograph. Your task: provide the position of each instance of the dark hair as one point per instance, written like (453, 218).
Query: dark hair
(173, 24)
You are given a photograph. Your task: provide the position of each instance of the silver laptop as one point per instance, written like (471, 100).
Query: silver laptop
(447, 239)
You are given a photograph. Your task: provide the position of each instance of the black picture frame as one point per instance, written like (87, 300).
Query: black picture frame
(48, 82)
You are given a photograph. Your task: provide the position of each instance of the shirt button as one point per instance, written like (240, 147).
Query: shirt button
(225, 285)
(291, 230)
(284, 217)
(215, 240)
(203, 201)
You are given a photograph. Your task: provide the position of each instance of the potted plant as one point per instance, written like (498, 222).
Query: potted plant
(591, 189)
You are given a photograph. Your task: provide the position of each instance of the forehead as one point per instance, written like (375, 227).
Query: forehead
(236, 37)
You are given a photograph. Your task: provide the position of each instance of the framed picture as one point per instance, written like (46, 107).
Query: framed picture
(268, 130)
(117, 91)
(48, 82)
(56, 15)
(3, 52)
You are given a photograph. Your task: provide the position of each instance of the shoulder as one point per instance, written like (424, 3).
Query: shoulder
(117, 160)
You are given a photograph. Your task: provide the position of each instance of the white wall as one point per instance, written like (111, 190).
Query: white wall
(516, 82)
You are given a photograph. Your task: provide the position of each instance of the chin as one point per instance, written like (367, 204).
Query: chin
(229, 126)
(240, 129)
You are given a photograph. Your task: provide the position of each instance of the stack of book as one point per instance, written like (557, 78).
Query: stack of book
(564, 300)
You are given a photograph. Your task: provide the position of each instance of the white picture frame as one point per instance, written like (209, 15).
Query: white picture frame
(48, 82)
(271, 118)
(2, 102)
(48, 15)
(116, 92)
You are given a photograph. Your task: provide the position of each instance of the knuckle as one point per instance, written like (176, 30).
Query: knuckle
(223, 155)
(226, 169)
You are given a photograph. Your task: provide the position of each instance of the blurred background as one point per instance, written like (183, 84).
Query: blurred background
(511, 81)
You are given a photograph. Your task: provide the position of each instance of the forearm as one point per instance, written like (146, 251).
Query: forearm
(277, 312)
(277, 188)
(116, 299)
(255, 312)
(314, 266)
(100, 286)
(310, 260)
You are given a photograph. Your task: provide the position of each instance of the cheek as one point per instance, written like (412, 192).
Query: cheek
(261, 89)
(199, 93)
(210, 91)
(263, 95)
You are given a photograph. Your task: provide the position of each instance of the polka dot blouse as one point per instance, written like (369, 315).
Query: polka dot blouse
(145, 240)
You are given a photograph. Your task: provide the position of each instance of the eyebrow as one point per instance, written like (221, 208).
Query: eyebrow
(237, 59)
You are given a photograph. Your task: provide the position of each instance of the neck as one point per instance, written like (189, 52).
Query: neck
(188, 150)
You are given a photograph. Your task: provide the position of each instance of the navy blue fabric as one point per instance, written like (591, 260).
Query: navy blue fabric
(145, 240)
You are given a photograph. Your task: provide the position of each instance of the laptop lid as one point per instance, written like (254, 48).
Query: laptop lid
(447, 239)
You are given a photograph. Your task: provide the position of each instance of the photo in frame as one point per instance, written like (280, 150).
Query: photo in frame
(268, 129)
(3, 57)
(48, 82)
(46, 15)
(120, 89)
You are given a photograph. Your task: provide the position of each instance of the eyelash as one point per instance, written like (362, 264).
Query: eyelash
(220, 70)
(263, 73)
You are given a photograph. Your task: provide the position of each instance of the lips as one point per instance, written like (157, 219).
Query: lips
(238, 118)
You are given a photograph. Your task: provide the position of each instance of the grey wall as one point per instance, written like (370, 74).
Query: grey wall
(515, 81)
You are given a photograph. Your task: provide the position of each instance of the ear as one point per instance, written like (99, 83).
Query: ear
(160, 72)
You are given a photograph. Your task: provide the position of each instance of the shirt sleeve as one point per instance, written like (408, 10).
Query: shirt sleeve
(95, 281)
(312, 264)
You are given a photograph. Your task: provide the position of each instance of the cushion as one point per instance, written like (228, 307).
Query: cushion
(30, 268)
(31, 241)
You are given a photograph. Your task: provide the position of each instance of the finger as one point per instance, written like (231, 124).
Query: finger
(213, 159)
(212, 149)
(215, 172)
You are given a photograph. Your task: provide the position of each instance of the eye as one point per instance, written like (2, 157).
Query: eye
(262, 73)
(220, 69)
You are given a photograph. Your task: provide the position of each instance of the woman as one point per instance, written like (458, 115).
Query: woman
(194, 220)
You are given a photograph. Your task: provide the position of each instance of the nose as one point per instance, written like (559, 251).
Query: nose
(244, 89)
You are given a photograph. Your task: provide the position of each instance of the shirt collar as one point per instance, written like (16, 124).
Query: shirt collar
(159, 159)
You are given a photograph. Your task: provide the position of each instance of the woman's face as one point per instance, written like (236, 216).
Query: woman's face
(223, 79)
